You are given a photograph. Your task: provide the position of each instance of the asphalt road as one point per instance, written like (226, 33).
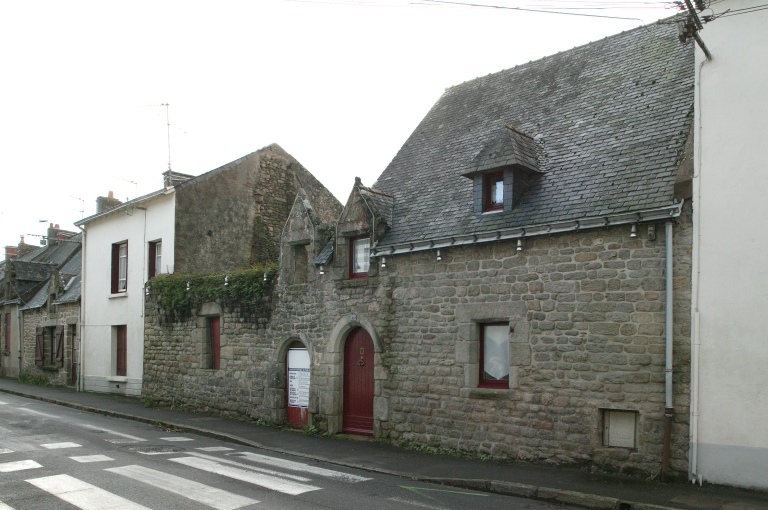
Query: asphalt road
(52, 457)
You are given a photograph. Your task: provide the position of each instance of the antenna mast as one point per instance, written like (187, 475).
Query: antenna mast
(168, 128)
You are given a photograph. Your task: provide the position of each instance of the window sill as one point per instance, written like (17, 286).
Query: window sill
(118, 295)
(488, 393)
(117, 378)
(355, 282)
(493, 211)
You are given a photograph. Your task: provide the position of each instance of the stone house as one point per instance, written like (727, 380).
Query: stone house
(40, 308)
(516, 283)
(226, 219)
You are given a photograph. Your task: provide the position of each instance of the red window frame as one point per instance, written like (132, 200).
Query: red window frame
(116, 268)
(488, 181)
(121, 350)
(352, 273)
(215, 339)
(7, 332)
(152, 256)
(491, 383)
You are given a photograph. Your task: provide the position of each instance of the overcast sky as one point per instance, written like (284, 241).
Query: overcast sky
(339, 84)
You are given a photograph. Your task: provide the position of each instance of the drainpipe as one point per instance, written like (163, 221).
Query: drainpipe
(80, 355)
(669, 411)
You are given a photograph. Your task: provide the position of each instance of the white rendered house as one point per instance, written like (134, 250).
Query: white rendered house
(123, 247)
(729, 390)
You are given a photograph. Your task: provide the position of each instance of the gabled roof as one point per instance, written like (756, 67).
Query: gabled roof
(379, 202)
(71, 292)
(610, 118)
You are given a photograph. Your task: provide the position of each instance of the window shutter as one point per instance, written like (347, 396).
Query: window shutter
(115, 267)
(39, 348)
(58, 354)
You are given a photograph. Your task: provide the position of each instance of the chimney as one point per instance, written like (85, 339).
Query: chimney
(106, 203)
(11, 252)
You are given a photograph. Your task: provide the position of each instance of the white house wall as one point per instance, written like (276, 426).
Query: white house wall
(149, 221)
(729, 439)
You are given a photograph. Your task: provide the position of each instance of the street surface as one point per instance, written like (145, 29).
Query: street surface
(53, 457)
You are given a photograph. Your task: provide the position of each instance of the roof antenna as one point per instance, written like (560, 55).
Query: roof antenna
(168, 127)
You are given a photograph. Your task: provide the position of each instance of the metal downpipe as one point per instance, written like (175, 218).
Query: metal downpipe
(669, 411)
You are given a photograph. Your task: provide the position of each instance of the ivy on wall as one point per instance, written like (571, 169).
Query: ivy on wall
(246, 292)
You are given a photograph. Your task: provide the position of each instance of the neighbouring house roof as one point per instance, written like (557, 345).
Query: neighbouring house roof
(609, 120)
(59, 252)
(71, 292)
(325, 255)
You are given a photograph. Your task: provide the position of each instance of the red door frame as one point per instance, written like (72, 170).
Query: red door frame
(358, 383)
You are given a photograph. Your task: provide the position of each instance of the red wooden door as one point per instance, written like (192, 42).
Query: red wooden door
(358, 383)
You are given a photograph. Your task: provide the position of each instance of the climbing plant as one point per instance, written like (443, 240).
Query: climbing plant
(246, 292)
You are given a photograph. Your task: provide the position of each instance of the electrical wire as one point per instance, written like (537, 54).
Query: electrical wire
(525, 9)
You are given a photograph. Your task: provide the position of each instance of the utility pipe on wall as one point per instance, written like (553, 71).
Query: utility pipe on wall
(669, 411)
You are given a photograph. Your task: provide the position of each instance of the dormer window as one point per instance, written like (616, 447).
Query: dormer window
(493, 192)
(500, 169)
(359, 257)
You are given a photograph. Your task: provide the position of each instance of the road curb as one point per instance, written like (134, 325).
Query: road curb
(493, 486)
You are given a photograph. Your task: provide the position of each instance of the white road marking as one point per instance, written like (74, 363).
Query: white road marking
(177, 438)
(215, 449)
(3, 403)
(92, 458)
(299, 466)
(5, 450)
(251, 467)
(262, 480)
(418, 504)
(3, 506)
(52, 416)
(123, 441)
(205, 494)
(58, 446)
(114, 433)
(83, 495)
(20, 465)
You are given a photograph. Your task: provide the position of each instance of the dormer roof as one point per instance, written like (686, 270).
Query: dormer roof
(509, 148)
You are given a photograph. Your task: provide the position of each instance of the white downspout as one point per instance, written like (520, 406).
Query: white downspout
(80, 338)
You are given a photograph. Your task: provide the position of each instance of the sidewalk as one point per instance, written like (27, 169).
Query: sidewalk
(519, 479)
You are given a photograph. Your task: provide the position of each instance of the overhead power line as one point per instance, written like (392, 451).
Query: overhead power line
(526, 9)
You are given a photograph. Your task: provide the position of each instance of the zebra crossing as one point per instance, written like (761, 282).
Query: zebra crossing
(262, 472)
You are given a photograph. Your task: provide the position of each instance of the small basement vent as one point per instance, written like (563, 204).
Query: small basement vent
(619, 428)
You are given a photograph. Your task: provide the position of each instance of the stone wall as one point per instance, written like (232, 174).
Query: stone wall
(588, 314)
(64, 315)
(231, 218)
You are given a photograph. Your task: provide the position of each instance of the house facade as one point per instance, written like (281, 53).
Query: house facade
(516, 284)
(124, 245)
(41, 309)
(729, 402)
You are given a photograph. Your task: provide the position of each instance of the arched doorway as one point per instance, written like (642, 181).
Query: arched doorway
(358, 383)
(297, 376)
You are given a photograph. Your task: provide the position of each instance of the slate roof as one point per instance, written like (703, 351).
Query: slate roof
(71, 292)
(610, 118)
(58, 253)
(38, 300)
(380, 203)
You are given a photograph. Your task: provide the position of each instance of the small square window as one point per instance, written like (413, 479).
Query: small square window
(493, 192)
(494, 355)
(359, 257)
(620, 428)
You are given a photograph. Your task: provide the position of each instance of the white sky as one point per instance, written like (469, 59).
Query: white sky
(339, 84)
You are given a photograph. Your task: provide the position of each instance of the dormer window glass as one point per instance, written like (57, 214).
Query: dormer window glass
(493, 191)
(359, 257)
